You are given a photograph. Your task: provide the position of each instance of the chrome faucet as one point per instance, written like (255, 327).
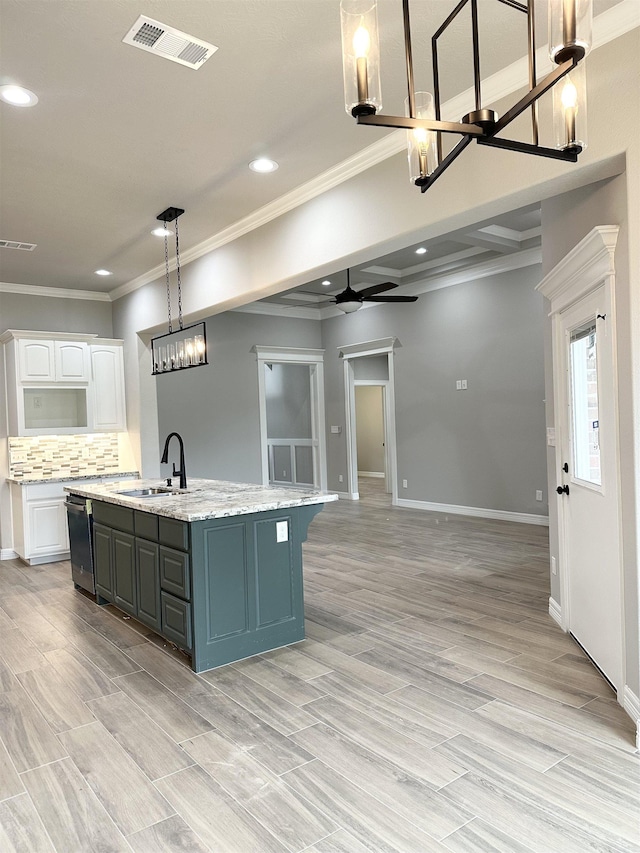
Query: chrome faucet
(182, 473)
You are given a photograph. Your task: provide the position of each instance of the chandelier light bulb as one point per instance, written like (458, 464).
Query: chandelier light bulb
(569, 96)
(360, 56)
(162, 232)
(361, 43)
(570, 110)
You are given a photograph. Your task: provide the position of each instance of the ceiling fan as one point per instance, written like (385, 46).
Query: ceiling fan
(350, 300)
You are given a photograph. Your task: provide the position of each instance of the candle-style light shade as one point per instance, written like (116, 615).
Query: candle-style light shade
(421, 144)
(180, 349)
(569, 29)
(360, 56)
(570, 110)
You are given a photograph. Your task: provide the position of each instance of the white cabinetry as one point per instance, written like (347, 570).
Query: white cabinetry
(40, 529)
(63, 383)
(72, 361)
(40, 532)
(53, 361)
(108, 382)
(36, 361)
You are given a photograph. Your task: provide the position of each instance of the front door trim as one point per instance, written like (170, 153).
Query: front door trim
(587, 267)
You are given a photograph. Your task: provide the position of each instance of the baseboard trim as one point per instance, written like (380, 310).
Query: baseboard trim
(348, 496)
(378, 474)
(631, 704)
(8, 554)
(50, 558)
(476, 511)
(555, 611)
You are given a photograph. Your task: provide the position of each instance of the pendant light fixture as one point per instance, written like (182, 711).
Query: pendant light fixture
(569, 42)
(187, 345)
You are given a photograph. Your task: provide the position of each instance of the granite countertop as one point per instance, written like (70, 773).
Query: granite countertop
(204, 498)
(29, 481)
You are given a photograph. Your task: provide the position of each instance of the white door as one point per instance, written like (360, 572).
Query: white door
(589, 482)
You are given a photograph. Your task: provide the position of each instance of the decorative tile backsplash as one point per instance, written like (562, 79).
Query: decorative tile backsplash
(55, 456)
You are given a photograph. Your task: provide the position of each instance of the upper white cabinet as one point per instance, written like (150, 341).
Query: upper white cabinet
(72, 361)
(36, 361)
(53, 361)
(108, 380)
(61, 384)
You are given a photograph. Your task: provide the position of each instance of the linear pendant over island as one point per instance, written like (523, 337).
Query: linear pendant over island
(216, 569)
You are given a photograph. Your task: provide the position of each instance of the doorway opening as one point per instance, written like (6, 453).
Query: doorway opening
(371, 440)
(370, 421)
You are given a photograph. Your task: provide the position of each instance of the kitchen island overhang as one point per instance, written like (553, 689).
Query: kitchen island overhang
(215, 569)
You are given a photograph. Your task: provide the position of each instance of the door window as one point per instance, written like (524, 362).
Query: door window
(585, 423)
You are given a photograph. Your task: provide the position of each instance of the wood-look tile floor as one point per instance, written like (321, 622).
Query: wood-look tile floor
(434, 706)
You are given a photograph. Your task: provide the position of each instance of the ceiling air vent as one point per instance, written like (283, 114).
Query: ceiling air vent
(169, 43)
(17, 244)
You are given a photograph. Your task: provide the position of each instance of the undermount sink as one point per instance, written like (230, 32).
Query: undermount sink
(153, 492)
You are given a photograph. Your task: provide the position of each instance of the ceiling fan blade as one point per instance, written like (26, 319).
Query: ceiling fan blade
(390, 298)
(376, 288)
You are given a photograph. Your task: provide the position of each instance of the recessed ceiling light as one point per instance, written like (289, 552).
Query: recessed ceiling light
(103, 272)
(162, 232)
(18, 96)
(326, 282)
(263, 164)
(421, 251)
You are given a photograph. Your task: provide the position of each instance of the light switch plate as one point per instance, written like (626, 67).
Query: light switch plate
(336, 430)
(282, 531)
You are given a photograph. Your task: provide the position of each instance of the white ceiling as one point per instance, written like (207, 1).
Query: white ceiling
(118, 134)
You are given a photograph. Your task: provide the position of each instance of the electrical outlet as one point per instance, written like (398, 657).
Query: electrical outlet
(404, 484)
(539, 494)
(340, 478)
(282, 531)
(463, 384)
(458, 384)
(554, 568)
(37, 402)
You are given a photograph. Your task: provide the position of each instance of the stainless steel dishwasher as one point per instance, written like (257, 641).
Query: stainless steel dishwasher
(80, 522)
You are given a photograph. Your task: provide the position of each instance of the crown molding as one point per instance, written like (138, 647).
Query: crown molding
(54, 292)
(611, 24)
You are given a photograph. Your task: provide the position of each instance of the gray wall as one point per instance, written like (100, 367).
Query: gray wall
(484, 447)
(565, 221)
(215, 408)
(47, 314)
(371, 367)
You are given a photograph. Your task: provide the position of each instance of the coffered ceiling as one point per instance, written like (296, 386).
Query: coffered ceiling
(119, 134)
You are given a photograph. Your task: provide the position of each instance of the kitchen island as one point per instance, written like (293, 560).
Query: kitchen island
(216, 568)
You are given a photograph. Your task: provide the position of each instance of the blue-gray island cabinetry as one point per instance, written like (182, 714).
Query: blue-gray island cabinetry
(217, 569)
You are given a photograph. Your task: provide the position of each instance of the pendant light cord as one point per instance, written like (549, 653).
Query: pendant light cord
(166, 267)
(179, 279)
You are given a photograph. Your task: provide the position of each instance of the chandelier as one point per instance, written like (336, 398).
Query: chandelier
(569, 42)
(185, 346)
